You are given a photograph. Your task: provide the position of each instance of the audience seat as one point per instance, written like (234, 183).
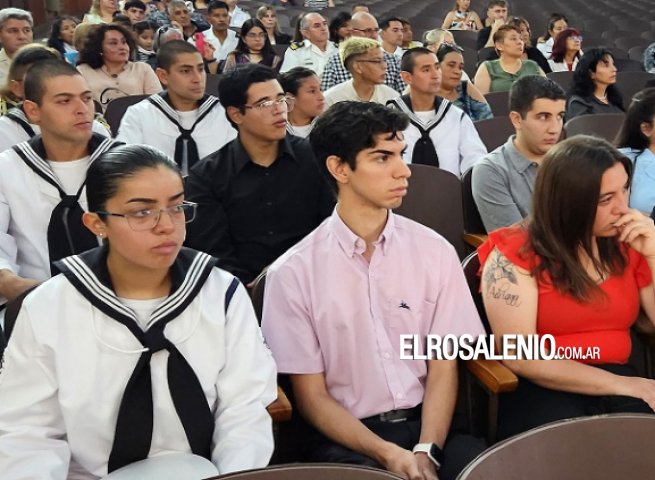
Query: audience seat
(494, 131)
(465, 38)
(313, 471)
(499, 103)
(637, 53)
(604, 125)
(470, 61)
(116, 109)
(628, 65)
(598, 447)
(434, 199)
(474, 231)
(563, 79)
(630, 83)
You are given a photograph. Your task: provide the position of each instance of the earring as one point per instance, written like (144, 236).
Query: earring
(101, 235)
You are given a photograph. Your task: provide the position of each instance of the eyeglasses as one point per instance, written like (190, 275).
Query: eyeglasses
(285, 103)
(367, 31)
(147, 218)
(377, 61)
(576, 38)
(256, 35)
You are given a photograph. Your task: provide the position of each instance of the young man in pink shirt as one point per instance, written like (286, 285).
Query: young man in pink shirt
(337, 303)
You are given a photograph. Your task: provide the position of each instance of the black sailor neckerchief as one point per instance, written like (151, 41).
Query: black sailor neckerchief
(424, 151)
(89, 275)
(186, 149)
(18, 116)
(67, 235)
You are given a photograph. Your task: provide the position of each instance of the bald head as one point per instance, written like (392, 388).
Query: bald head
(364, 25)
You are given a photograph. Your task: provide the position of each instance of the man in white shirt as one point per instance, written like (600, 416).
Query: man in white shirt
(364, 59)
(42, 186)
(237, 14)
(391, 34)
(439, 133)
(183, 121)
(15, 32)
(315, 50)
(220, 36)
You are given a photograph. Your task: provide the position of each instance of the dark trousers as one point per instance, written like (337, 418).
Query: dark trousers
(531, 406)
(459, 450)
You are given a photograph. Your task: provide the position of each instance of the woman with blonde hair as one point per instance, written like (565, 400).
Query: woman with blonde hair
(432, 39)
(462, 18)
(101, 11)
(267, 15)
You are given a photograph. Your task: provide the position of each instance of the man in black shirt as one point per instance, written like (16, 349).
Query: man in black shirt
(262, 192)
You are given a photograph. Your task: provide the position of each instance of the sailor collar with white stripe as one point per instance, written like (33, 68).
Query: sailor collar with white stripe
(163, 101)
(89, 275)
(33, 153)
(404, 103)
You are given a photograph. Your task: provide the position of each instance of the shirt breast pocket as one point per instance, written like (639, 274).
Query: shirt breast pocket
(410, 315)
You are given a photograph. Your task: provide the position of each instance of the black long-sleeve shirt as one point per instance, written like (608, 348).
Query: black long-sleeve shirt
(248, 215)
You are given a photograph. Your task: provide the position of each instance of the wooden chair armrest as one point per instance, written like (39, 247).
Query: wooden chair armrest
(474, 239)
(493, 375)
(280, 410)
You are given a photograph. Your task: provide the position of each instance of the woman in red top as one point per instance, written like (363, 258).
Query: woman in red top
(579, 269)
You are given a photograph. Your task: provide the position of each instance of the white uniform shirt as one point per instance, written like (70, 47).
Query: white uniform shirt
(307, 55)
(222, 50)
(238, 16)
(456, 141)
(210, 134)
(345, 91)
(67, 365)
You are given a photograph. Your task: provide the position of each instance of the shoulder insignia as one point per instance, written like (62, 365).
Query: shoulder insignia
(296, 45)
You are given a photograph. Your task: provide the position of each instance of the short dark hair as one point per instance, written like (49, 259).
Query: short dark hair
(91, 53)
(446, 48)
(234, 85)
(583, 85)
(143, 25)
(292, 79)
(40, 72)
(385, 23)
(496, 3)
(104, 176)
(502, 32)
(526, 90)
(120, 19)
(641, 110)
(216, 5)
(408, 60)
(169, 51)
(347, 128)
(134, 4)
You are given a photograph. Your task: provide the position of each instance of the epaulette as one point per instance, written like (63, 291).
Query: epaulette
(296, 45)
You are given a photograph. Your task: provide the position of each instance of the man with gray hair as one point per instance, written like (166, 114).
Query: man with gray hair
(313, 52)
(364, 59)
(15, 32)
(363, 25)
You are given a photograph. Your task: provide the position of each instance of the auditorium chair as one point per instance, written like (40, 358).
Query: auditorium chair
(603, 125)
(117, 108)
(494, 132)
(313, 471)
(474, 232)
(499, 103)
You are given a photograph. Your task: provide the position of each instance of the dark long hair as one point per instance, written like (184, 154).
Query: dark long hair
(559, 45)
(583, 85)
(641, 110)
(337, 22)
(564, 208)
(91, 53)
(55, 41)
(554, 18)
(268, 53)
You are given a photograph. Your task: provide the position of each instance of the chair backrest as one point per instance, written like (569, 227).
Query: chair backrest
(211, 87)
(499, 103)
(637, 53)
(494, 131)
(563, 79)
(257, 294)
(434, 199)
(630, 83)
(465, 38)
(470, 60)
(315, 471)
(604, 125)
(116, 109)
(471, 267)
(472, 220)
(628, 65)
(606, 446)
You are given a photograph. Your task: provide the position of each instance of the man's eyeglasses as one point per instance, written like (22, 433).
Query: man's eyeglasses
(147, 218)
(285, 103)
(367, 31)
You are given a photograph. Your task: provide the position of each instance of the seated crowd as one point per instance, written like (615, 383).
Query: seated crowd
(128, 254)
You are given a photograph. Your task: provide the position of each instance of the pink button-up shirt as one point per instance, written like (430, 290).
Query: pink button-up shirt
(326, 309)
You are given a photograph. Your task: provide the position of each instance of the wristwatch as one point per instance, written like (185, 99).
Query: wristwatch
(435, 454)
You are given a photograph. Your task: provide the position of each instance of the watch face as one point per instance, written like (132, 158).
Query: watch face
(436, 453)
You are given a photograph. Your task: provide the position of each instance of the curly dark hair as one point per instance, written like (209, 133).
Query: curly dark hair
(91, 53)
(54, 40)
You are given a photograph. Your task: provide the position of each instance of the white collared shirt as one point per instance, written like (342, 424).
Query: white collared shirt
(222, 50)
(307, 55)
(238, 16)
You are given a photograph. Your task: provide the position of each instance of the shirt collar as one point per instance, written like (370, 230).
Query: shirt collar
(516, 158)
(351, 244)
(241, 157)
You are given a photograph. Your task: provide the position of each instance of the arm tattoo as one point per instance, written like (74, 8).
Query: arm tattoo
(499, 275)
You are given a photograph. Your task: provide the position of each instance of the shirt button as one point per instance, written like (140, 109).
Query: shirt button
(399, 396)
(387, 355)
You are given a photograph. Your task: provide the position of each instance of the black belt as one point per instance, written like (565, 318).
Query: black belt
(396, 416)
